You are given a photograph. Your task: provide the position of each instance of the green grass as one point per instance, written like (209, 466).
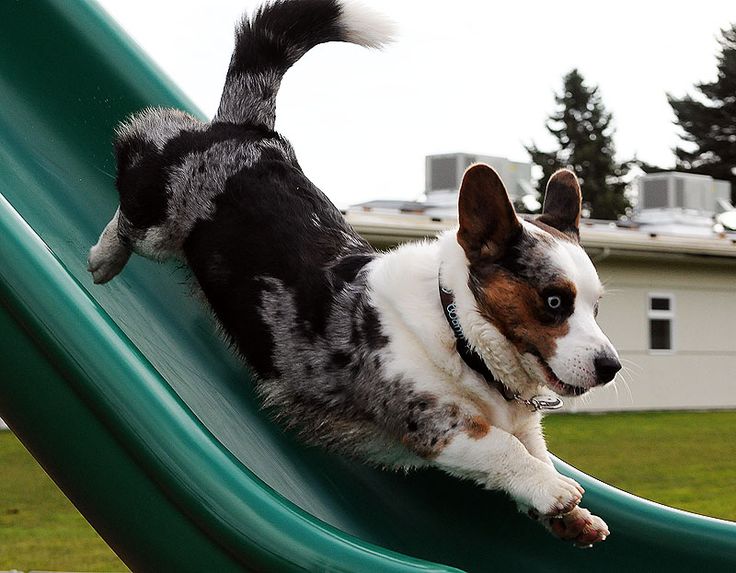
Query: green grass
(686, 460)
(682, 459)
(39, 527)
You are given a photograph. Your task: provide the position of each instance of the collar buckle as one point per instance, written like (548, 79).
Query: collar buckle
(543, 403)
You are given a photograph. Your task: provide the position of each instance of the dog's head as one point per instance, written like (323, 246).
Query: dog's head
(533, 281)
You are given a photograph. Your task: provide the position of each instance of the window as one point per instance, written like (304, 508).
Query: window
(661, 315)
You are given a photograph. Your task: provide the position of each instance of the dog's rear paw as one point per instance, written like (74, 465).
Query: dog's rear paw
(556, 495)
(106, 260)
(579, 526)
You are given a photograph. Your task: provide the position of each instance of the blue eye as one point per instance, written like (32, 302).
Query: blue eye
(554, 302)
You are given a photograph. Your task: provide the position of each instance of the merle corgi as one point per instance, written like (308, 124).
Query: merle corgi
(433, 354)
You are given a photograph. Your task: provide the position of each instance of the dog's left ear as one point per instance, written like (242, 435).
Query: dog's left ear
(563, 203)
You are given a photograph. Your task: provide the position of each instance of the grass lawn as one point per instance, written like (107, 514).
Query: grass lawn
(686, 460)
(682, 459)
(39, 528)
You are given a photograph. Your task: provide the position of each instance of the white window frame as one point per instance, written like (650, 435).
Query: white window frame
(661, 315)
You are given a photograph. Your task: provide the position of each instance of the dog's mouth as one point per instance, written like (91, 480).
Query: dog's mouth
(557, 385)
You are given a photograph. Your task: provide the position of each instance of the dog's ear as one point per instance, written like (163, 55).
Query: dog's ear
(563, 203)
(488, 222)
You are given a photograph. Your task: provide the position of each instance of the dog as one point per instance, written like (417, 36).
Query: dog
(432, 354)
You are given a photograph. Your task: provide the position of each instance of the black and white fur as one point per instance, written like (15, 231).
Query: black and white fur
(350, 346)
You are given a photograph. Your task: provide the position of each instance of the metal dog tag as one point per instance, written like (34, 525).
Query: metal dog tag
(545, 402)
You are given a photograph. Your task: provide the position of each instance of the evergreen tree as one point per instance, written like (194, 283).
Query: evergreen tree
(709, 122)
(582, 127)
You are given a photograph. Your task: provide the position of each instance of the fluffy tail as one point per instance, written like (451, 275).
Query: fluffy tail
(278, 35)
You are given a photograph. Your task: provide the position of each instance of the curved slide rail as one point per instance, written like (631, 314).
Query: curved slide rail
(137, 409)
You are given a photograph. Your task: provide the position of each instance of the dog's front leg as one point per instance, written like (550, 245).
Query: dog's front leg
(533, 440)
(498, 460)
(579, 525)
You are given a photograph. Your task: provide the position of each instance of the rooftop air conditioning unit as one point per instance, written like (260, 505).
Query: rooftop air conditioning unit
(444, 173)
(682, 191)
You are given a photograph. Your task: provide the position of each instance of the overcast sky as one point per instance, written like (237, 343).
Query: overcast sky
(465, 75)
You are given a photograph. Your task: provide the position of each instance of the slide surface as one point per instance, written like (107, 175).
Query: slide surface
(137, 409)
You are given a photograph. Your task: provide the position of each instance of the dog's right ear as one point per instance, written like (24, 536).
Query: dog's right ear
(488, 222)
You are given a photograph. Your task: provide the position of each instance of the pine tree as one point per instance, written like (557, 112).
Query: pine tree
(582, 127)
(709, 122)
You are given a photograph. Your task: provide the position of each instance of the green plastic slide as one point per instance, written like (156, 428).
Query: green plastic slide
(136, 408)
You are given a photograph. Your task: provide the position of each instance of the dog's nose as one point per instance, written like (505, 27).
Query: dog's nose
(606, 367)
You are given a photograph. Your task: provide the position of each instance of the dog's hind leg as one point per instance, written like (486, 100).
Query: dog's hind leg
(108, 257)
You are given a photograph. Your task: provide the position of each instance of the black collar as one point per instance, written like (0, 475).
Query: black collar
(474, 361)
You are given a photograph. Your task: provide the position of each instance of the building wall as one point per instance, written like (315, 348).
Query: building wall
(700, 371)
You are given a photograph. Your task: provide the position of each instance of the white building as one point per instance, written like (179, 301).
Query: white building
(670, 310)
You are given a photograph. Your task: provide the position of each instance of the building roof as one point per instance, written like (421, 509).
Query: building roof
(393, 205)
(598, 238)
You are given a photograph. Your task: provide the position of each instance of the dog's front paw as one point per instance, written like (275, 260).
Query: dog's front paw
(579, 526)
(106, 260)
(555, 495)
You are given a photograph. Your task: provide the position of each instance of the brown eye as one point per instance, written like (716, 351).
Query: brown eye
(554, 302)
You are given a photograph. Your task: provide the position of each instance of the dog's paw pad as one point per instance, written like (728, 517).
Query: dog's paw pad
(580, 527)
